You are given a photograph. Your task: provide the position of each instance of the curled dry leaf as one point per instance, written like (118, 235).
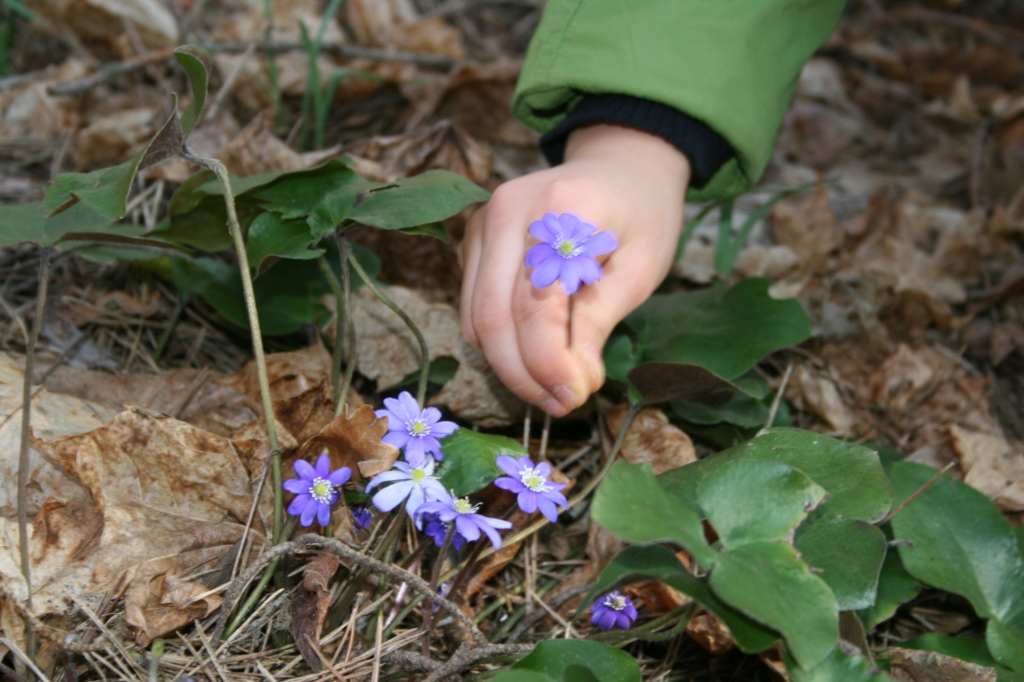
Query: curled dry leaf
(992, 465)
(710, 633)
(652, 439)
(289, 373)
(105, 20)
(158, 601)
(657, 596)
(354, 440)
(813, 391)
(309, 607)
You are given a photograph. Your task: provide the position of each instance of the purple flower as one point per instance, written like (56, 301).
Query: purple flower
(361, 516)
(435, 528)
(415, 484)
(613, 610)
(315, 490)
(468, 523)
(532, 485)
(414, 429)
(567, 251)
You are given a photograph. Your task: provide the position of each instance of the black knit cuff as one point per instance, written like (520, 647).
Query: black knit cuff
(705, 149)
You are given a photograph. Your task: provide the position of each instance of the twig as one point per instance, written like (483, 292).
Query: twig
(435, 579)
(931, 481)
(310, 541)
(344, 247)
(339, 331)
(777, 400)
(111, 70)
(465, 657)
(24, 659)
(421, 389)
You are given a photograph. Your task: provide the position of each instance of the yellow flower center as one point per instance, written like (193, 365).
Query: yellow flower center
(418, 428)
(534, 481)
(615, 601)
(321, 490)
(418, 475)
(463, 506)
(566, 248)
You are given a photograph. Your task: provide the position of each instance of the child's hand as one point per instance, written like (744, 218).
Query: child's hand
(617, 178)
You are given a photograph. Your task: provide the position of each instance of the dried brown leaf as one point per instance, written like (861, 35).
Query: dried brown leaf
(928, 666)
(354, 440)
(651, 439)
(289, 374)
(309, 607)
(710, 633)
(158, 601)
(992, 464)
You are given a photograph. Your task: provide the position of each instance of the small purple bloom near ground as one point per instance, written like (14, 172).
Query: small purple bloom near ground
(532, 486)
(415, 484)
(567, 251)
(315, 490)
(613, 610)
(435, 528)
(462, 512)
(417, 430)
(361, 516)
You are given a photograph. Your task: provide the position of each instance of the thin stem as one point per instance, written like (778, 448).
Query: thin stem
(345, 248)
(26, 424)
(435, 579)
(254, 324)
(421, 390)
(928, 484)
(339, 328)
(165, 338)
(156, 652)
(254, 597)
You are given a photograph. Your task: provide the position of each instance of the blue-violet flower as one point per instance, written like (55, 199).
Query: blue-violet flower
(414, 429)
(361, 516)
(315, 490)
(532, 486)
(462, 512)
(415, 484)
(566, 252)
(613, 610)
(437, 529)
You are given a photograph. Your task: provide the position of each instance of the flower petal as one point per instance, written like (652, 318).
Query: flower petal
(600, 244)
(547, 508)
(400, 415)
(340, 476)
(464, 524)
(299, 504)
(410, 405)
(542, 468)
(570, 224)
(604, 618)
(528, 501)
(569, 276)
(539, 253)
(392, 496)
(589, 269)
(323, 466)
(542, 230)
(396, 438)
(442, 429)
(323, 515)
(511, 465)
(304, 469)
(545, 274)
(414, 450)
(492, 535)
(430, 416)
(508, 483)
(385, 477)
(308, 513)
(557, 497)
(296, 485)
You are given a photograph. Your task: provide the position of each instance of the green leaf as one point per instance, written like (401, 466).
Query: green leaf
(509, 675)
(270, 236)
(469, 460)
(563, 660)
(740, 409)
(895, 586)
(961, 542)
(1006, 643)
(725, 330)
(848, 553)
(435, 230)
(204, 226)
(850, 473)
(197, 64)
(767, 581)
(410, 202)
(838, 667)
(643, 562)
(442, 370)
(749, 500)
(631, 504)
(324, 195)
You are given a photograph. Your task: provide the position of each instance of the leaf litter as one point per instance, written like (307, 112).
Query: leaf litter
(905, 262)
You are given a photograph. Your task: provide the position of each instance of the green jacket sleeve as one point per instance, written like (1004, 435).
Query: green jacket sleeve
(732, 64)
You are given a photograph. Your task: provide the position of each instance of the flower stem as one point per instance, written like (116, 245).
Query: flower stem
(339, 328)
(435, 579)
(254, 324)
(26, 424)
(345, 248)
(421, 389)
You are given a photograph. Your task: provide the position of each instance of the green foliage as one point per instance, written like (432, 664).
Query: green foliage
(895, 586)
(838, 667)
(573, 660)
(848, 554)
(963, 544)
(470, 460)
(970, 650)
(692, 345)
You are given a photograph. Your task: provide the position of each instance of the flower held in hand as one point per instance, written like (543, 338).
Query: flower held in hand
(567, 252)
(532, 486)
(414, 429)
(468, 523)
(613, 610)
(315, 489)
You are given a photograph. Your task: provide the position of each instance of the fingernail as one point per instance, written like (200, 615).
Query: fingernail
(566, 397)
(552, 407)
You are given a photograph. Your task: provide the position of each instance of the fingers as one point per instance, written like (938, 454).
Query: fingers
(469, 255)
